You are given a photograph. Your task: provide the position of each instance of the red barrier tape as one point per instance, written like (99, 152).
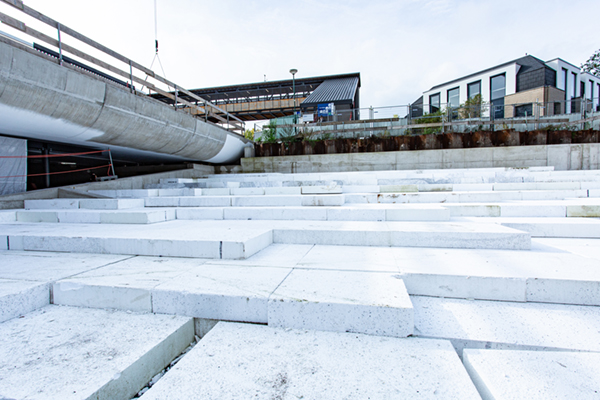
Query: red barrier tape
(62, 172)
(57, 155)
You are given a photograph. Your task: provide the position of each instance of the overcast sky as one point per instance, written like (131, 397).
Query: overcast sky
(401, 48)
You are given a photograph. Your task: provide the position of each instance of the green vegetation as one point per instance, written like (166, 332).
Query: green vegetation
(592, 65)
(269, 133)
(249, 134)
(432, 118)
(471, 108)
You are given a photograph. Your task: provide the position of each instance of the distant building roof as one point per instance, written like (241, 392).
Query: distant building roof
(340, 91)
(258, 95)
(527, 63)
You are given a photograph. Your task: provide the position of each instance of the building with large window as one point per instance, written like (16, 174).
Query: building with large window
(513, 88)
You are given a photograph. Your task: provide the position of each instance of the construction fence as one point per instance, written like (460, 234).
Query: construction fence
(573, 115)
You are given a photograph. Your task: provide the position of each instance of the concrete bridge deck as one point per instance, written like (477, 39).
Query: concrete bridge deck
(42, 100)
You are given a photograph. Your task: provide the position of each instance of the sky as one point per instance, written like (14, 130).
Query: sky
(401, 48)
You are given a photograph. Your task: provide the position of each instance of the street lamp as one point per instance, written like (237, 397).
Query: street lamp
(293, 71)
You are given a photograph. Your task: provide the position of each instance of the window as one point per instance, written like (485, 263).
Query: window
(574, 85)
(454, 97)
(582, 89)
(453, 102)
(434, 103)
(473, 89)
(498, 87)
(525, 110)
(557, 108)
(497, 93)
(565, 79)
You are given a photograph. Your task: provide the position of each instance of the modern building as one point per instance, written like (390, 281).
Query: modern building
(513, 88)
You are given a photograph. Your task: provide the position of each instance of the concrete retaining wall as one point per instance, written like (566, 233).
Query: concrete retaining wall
(561, 157)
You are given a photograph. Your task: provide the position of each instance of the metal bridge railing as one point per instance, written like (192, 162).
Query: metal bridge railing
(204, 109)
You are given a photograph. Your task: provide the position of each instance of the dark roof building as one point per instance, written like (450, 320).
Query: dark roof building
(275, 99)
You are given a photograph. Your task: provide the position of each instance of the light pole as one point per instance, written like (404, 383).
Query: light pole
(293, 71)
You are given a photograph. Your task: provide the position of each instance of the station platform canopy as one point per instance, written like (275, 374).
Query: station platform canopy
(275, 99)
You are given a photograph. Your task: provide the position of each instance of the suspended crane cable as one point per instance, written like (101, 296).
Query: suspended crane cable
(156, 57)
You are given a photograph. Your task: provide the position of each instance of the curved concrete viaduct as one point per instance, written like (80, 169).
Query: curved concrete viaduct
(40, 99)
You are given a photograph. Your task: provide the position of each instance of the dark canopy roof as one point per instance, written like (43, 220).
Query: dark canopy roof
(257, 95)
(339, 91)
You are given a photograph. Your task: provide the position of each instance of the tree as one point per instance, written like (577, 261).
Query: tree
(471, 108)
(592, 65)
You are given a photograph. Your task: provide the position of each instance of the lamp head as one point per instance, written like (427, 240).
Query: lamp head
(293, 71)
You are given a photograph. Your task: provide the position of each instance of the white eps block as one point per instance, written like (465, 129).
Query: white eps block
(355, 214)
(216, 192)
(508, 325)
(231, 293)
(530, 210)
(51, 204)
(171, 192)
(350, 301)
(321, 189)
(236, 361)
(137, 217)
(282, 190)
(535, 375)
(556, 227)
(247, 191)
(8, 216)
(276, 213)
(110, 204)
(80, 353)
(430, 213)
(466, 287)
(360, 189)
(267, 201)
(398, 188)
(37, 216)
(205, 201)
(202, 213)
(589, 211)
(20, 297)
(564, 291)
(162, 201)
(82, 293)
(124, 285)
(323, 200)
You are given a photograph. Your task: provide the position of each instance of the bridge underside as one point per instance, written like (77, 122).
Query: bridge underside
(45, 101)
